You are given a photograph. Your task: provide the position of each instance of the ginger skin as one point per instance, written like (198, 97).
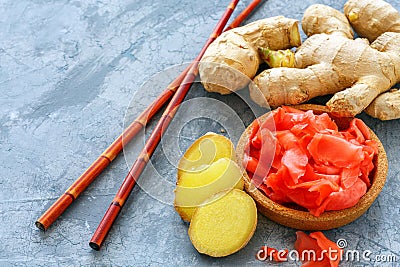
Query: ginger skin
(233, 58)
(370, 19)
(331, 62)
(386, 106)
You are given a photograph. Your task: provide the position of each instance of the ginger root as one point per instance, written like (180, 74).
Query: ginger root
(372, 18)
(233, 57)
(323, 19)
(225, 225)
(331, 62)
(386, 106)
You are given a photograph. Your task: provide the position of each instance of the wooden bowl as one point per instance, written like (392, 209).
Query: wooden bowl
(304, 220)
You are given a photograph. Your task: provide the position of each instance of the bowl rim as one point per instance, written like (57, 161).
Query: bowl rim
(304, 219)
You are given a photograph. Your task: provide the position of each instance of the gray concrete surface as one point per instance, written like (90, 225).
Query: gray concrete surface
(68, 72)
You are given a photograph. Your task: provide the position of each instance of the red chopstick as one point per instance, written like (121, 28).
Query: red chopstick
(97, 167)
(155, 137)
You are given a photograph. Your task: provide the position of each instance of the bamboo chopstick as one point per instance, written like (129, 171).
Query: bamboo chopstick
(155, 137)
(97, 167)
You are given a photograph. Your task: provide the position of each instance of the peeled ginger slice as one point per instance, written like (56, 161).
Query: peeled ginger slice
(193, 189)
(225, 225)
(204, 151)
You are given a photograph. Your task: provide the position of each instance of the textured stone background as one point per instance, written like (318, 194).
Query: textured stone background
(68, 70)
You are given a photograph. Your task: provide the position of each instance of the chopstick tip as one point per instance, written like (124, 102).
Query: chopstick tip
(94, 246)
(40, 226)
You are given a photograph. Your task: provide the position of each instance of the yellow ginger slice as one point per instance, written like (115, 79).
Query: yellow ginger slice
(225, 225)
(202, 173)
(194, 188)
(204, 151)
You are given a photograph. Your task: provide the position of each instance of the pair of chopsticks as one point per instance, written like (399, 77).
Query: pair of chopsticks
(175, 93)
